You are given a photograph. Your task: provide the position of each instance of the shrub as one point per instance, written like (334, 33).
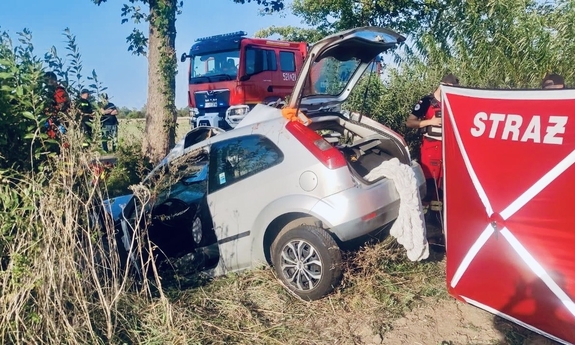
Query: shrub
(129, 169)
(390, 99)
(22, 143)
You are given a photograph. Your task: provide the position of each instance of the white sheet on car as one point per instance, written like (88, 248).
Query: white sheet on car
(409, 228)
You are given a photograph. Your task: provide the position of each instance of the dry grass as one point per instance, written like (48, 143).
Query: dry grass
(60, 282)
(253, 307)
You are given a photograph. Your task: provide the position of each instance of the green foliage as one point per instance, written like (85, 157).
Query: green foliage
(330, 16)
(129, 169)
(183, 112)
(270, 6)
(126, 113)
(25, 99)
(291, 33)
(159, 16)
(16, 206)
(22, 103)
(389, 100)
(502, 44)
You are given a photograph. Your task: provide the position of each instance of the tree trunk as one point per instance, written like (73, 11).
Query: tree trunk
(162, 64)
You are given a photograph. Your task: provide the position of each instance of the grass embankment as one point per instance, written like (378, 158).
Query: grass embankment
(380, 285)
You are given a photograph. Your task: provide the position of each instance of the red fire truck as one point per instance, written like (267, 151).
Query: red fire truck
(229, 74)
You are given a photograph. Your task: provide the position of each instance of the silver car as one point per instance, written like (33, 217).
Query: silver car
(286, 187)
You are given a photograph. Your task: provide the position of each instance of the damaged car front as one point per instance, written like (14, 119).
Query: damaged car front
(167, 218)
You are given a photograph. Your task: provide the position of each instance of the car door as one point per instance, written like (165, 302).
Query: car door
(241, 175)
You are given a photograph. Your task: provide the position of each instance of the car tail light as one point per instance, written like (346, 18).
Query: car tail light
(318, 146)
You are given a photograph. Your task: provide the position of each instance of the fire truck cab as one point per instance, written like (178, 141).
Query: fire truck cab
(229, 74)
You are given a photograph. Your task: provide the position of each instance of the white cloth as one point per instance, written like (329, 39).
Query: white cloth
(409, 227)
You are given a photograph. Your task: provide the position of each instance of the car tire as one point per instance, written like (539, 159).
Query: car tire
(307, 261)
(197, 230)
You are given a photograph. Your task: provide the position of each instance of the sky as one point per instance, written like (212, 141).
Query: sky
(101, 37)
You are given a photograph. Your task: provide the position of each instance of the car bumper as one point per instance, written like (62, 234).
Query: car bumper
(358, 211)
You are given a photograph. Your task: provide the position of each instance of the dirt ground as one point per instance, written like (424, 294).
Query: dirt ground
(455, 323)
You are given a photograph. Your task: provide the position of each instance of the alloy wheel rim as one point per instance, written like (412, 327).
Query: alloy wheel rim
(197, 230)
(301, 265)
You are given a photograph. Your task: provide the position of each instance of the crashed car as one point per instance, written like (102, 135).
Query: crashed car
(287, 191)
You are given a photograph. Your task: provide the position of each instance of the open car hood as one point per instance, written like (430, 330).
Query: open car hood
(336, 63)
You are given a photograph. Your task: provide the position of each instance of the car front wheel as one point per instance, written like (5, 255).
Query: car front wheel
(307, 261)
(197, 230)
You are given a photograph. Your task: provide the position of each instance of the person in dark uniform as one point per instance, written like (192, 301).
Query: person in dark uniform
(86, 113)
(109, 123)
(426, 116)
(553, 81)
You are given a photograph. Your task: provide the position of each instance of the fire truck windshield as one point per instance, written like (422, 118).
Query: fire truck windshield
(217, 66)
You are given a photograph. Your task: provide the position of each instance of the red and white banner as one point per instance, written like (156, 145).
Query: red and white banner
(509, 179)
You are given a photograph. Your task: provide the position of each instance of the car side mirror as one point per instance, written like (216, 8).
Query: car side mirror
(245, 77)
(184, 57)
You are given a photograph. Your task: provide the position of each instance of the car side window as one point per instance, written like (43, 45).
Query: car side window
(236, 159)
(287, 61)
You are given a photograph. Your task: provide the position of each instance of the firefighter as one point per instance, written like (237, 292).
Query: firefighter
(87, 114)
(57, 106)
(426, 116)
(109, 123)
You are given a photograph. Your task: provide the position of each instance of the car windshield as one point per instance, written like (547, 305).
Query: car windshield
(329, 76)
(208, 67)
(190, 167)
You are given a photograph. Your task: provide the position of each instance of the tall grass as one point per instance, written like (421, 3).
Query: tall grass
(60, 282)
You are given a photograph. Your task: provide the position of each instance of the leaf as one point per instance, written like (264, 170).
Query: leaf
(29, 115)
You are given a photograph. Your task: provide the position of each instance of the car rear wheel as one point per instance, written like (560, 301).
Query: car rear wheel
(307, 261)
